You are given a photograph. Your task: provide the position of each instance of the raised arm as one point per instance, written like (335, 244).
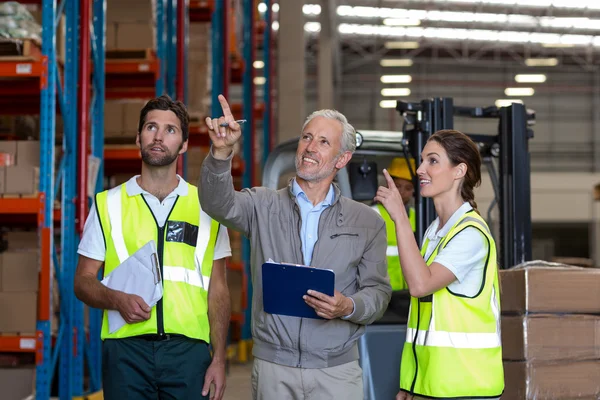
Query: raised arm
(216, 192)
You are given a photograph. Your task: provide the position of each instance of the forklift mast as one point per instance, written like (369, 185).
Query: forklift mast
(512, 180)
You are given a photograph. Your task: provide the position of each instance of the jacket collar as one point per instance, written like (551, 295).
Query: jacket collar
(336, 191)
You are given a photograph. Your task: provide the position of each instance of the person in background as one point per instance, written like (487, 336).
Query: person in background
(453, 347)
(309, 223)
(162, 352)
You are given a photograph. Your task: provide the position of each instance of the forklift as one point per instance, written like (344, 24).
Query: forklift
(505, 154)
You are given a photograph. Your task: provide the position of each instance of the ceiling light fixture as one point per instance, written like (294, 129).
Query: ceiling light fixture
(396, 62)
(519, 91)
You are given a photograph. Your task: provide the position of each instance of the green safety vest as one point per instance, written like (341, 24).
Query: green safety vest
(393, 259)
(453, 347)
(185, 247)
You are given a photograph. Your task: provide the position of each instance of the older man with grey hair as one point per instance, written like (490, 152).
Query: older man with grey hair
(309, 223)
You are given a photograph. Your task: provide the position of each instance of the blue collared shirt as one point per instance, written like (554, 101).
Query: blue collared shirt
(310, 215)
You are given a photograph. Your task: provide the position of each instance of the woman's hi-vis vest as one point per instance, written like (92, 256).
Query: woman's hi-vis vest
(185, 247)
(453, 347)
(393, 259)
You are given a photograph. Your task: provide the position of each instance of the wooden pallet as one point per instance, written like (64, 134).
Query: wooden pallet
(19, 50)
(121, 55)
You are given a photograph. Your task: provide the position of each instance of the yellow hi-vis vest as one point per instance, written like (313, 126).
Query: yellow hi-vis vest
(185, 250)
(453, 347)
(393, 259)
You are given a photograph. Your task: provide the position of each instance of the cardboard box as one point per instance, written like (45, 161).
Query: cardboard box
(28, 153)
(10, 147)
(18, 312)
(551, 380)
(135, 35)
(17, 383)
(111, 35)
(132, 118)
(21, 180)
(20, 271)
(543, 337)
(113, 118)
(22, 240)
(550, 290)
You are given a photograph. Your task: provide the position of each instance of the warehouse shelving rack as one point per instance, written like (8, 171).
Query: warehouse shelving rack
(222, 78)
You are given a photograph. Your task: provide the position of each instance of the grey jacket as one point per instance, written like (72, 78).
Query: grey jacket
(352, 242)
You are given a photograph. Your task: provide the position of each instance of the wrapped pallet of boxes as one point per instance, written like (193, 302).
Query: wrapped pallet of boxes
(551, 331)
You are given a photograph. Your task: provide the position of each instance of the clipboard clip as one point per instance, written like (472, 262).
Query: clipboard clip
(156, 269)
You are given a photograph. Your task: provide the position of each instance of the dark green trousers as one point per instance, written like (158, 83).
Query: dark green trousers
(140, 369)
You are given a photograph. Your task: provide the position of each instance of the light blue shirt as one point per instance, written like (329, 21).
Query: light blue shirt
(309, 230)
(310, 215)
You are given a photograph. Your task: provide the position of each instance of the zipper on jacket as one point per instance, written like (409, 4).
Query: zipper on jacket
(343, 234)
(297, 211)
(160, 323)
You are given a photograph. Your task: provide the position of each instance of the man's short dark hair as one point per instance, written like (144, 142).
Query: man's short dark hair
(165, 103)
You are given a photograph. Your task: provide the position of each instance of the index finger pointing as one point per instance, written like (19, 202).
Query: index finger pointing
(388, 179)
(225, 107)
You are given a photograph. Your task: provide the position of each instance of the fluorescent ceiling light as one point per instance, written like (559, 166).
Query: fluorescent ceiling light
(519, 91)
(275, 25)
(575, 4)
(396, 62)
(507, 102)
(387, 104)
(396, 78)
(262, 7)
(311, 9)
(312, 27)
(466, 34)
(260, 80)
(401, 45)
(530, 78)
(401, 22)
(557, 45)
(541, 62)
(258, 64)
(388, 92)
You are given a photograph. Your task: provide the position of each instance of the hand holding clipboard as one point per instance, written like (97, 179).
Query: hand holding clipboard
(302, 291)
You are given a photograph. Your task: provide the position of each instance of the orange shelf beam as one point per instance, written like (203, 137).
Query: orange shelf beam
(18, 344)
(16, 205)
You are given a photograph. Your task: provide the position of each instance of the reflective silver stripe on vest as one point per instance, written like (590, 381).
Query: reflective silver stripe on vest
(170, 273)
(190, 276)
(201, 246)
(391, 251)
(458, 340)
(113, 200)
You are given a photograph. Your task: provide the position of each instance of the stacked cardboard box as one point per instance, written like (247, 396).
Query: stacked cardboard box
(121, 119)
(129, 25)
(19, 277)
(550, 332)
(20, 174)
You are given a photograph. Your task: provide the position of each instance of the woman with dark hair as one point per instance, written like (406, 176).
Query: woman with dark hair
(453, 347)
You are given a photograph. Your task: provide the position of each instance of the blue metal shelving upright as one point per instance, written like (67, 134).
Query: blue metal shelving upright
(46, 188)
(94, 350)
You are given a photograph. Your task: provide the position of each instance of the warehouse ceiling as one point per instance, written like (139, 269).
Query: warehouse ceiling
(532, 32)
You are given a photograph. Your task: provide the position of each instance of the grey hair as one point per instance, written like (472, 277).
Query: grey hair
(348, 131)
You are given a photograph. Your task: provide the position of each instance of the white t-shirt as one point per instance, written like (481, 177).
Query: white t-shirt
(464, 255)
(92, 240)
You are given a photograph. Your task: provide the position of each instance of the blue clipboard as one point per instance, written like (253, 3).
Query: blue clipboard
(285, 284)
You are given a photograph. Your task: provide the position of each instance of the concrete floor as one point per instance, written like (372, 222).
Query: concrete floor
(238, 382)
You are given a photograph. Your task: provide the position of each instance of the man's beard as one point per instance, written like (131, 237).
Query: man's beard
(318, 175)
(159, 160)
